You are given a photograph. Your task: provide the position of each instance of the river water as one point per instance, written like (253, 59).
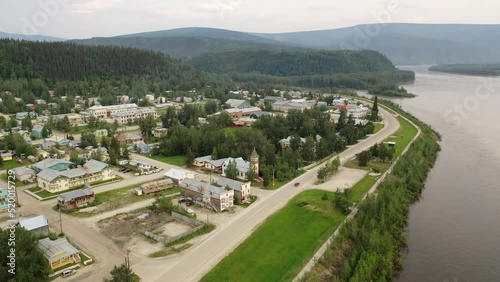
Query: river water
(454, 230)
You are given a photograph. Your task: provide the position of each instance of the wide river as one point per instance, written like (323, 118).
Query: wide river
(454, 230)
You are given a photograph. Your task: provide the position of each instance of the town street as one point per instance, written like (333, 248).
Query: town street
(193, 263)
(199, 259)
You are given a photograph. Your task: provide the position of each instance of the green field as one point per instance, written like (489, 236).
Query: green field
(173, 160)
(283, 243)
(378, 127)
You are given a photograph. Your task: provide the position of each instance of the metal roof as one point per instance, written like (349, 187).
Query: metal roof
(34, 222)
(75, 194)
(57, 249)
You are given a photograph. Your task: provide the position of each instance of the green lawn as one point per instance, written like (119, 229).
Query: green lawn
(403, 136)
(231, 130)
(13, 164)
(378, 127)
(174, 160)
(278, 249)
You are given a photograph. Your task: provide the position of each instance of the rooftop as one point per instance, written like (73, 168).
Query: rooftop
(75, 194)
(34, 222)
(57, 249)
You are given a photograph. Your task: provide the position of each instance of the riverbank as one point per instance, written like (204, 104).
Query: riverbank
(369, 247)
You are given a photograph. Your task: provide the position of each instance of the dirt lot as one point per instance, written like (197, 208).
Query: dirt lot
(126, 230)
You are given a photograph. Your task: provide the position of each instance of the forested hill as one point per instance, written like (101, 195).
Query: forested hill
(293, 63)
(71, 62)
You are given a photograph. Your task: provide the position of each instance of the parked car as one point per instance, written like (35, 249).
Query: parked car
(296, 184)
(68, 272)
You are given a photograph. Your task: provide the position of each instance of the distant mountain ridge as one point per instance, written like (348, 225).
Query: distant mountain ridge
(402, 43)
(29, 37)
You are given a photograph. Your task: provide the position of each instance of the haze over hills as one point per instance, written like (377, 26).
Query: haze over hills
(408, 43)
(29, 37)
(401, 43)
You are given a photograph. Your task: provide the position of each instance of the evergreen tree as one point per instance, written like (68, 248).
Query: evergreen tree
(374, 113)
(231, 170)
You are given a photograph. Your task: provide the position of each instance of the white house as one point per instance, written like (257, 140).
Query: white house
(178, 175)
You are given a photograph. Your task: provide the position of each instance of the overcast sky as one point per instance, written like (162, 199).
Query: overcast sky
(91, 18)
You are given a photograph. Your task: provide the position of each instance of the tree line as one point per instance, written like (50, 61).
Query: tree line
(369, 247)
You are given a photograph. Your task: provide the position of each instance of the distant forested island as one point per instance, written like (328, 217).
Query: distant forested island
(466, 69)
(390, 90)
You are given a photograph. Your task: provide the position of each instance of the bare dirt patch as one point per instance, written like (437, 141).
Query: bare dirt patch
(127, 230)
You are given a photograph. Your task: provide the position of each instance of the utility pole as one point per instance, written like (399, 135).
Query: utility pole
(60, 218)
(128, 270)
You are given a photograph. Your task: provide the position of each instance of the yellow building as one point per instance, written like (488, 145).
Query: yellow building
(58, 252)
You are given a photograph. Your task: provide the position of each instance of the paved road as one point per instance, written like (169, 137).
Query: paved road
(198, 260)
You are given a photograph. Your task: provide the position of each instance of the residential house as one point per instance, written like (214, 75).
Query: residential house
(241, 189)
(149, 97)
(243, 166)
(38, 225)
(242, 112)
(74, 143)
(211, 196)
(74, 119)
(47, 144)
(155, 186)
(178, 175)
(200, 161)
(140, 147)
(358, 112)
(4, 198)
(59, 252)
(28, 140)
(37, 131)
(160, 132)
(239, 104)
(215, 165)
(109, 111)
(351, 104)
(258, 115)
(134, 115)
(76, 199)
(128, 138)
(23, 173)
(91, 172)
(100, 133)
(287, 141)
(99, 150)
(272, 99)
(21, 115)
(140, 164)
(63, 142)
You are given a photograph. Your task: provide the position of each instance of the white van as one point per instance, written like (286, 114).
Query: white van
(68, 272)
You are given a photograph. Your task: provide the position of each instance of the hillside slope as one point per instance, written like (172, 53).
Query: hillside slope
(408, 43)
